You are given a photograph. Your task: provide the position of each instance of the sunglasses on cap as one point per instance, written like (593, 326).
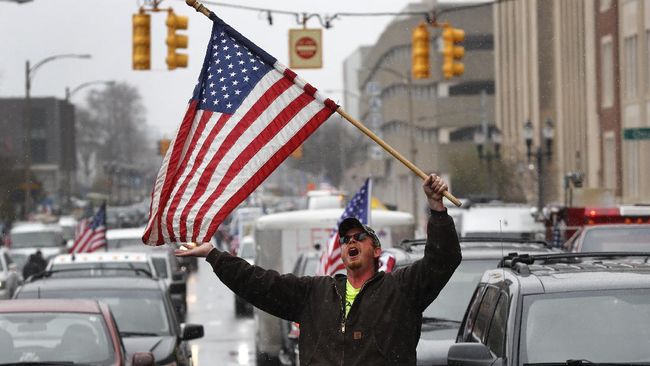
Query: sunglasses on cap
(357, 237)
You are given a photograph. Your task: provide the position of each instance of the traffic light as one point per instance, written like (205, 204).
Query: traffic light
(163, 146)
(452, 52)
(141, 41)
(420, 52)
(175, 41)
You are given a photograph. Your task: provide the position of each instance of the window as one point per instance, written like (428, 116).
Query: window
(607, 71)
(484, 314)
(630, 49)
(496, 340)
(470, 316)
(632, 169)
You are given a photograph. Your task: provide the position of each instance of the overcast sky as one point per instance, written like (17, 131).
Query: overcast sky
(102, 28)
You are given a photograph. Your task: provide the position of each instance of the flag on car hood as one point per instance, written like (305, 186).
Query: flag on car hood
(247, 114)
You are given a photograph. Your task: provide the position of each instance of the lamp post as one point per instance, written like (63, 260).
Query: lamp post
(414, 150)
(69, 93)
(30, 71)
(544, 149)
(482, 139)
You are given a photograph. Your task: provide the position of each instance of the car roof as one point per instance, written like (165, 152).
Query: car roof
(130, 233)
(472, 249)
(576, 272)
(615, 227)
(102, 257)
(29, 227)
(50, 305)
(91, 283)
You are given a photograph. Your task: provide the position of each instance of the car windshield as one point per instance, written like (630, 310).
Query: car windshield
(113, 269)
(603, 326)
(450, 303)
(608, 239)
(139, 311)
(36, 239)
(55, 337)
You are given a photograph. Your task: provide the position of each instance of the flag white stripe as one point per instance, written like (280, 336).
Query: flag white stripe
(258, 160)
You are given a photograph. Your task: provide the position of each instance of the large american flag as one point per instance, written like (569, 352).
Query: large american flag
(247, 114)
(359, 207)
(90, 233)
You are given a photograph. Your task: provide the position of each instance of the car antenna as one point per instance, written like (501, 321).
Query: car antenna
(38, 295)
(503, 271)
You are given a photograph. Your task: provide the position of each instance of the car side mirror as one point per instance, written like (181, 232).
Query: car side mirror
(469, 354)
(191, 331)
(142, 359)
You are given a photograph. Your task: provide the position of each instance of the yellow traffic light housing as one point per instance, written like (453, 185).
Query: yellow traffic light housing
(420, 52)
(176, 41)
(163, 146)
(141, 41)
(452, 52)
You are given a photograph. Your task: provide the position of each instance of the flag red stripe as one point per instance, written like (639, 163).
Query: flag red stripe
(170, 176)
(251, 116)
(199, 159)
(277, 124)
(266, 169)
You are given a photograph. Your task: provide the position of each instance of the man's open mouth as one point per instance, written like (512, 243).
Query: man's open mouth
(353, 252)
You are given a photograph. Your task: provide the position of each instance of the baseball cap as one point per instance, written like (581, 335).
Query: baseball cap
(352, 222)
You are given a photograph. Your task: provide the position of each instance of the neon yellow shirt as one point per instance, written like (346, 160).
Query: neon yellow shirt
(350, 294)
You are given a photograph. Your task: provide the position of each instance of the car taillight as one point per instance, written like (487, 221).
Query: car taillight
(294, 332)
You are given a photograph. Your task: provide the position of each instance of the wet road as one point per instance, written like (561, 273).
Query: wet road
(228, 340)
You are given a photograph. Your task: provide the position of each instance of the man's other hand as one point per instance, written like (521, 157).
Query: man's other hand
(193, 250)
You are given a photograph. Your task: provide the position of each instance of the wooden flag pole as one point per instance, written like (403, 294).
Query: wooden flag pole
(393, 152)
(205, 11)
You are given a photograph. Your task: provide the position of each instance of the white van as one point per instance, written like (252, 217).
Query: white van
(280, 238)
(28, 237)
(502, 220)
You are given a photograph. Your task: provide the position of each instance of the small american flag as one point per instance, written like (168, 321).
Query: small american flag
(247, 114)
(90, 234)
(359, 207)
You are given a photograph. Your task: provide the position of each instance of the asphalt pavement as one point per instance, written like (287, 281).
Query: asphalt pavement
(228, 340)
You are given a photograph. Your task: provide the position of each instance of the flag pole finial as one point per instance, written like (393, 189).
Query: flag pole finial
(199, 7)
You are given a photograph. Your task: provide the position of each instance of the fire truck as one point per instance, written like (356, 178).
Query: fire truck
(563, 222)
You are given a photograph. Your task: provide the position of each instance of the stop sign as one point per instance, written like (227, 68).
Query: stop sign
(306, 47)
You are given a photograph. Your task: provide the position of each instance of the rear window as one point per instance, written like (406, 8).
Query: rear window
(113, 269)
(55, 337)
(36, 239)
(135, 311)
(633, 239)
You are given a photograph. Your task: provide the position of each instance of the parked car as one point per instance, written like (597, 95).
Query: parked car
(246, 250)
(559, 309)
(611, 238)
(306, 265)
(61, 332)
(141, 306)
(28, 237)
(9, 276)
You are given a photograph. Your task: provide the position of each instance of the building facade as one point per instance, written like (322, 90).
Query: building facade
(53, 147)
(426, 120)
(546, 71)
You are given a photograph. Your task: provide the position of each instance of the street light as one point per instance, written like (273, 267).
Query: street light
(69, 93)
(30, 71)
(546, 135)
(406, 78)
(480, 141)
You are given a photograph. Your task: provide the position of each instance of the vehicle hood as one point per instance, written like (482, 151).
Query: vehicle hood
(161, 346)
(434, 345)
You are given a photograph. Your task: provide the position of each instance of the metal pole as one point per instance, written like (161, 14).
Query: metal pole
(540, 180)
(414, 149)
(28, 142)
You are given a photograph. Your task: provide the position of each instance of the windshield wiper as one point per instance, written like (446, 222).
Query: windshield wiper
(428, 319)
(138, 334)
